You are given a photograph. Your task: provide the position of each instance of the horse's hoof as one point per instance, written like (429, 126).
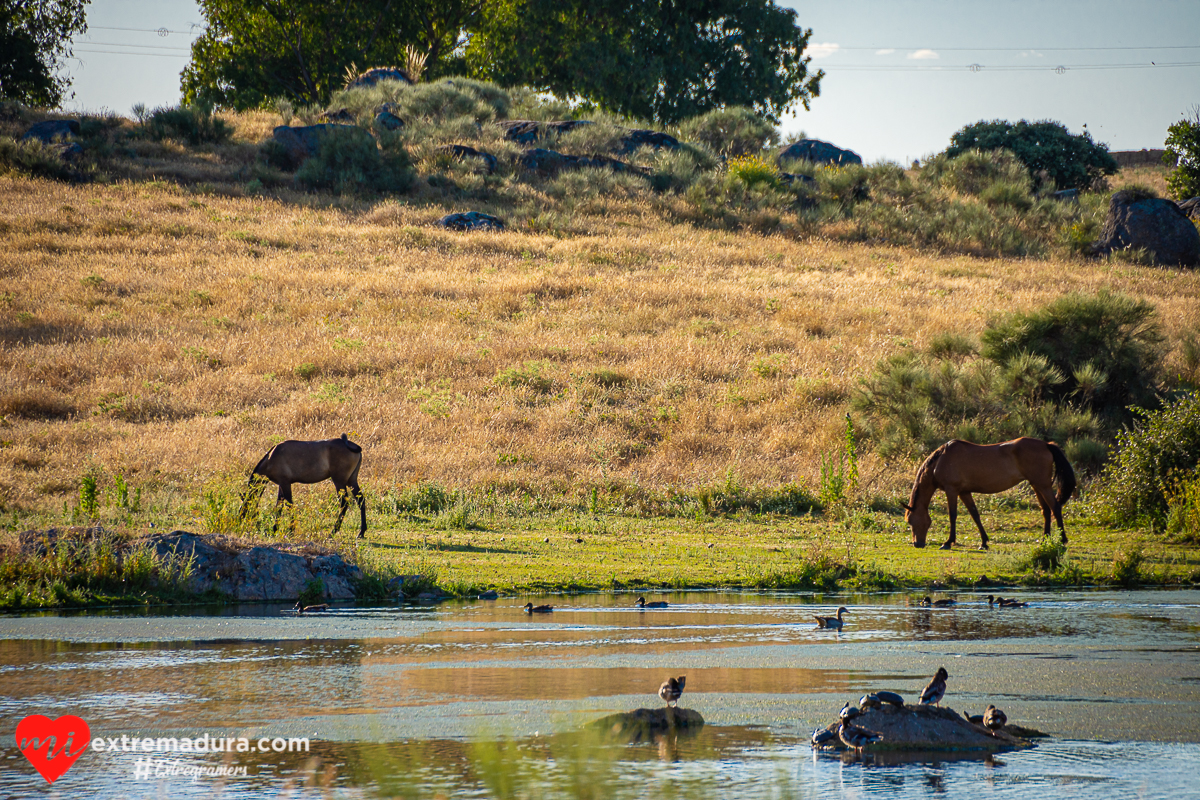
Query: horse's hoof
(983, 546)
(946, 546)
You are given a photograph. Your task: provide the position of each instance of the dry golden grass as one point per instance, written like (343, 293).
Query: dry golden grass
(172, 336)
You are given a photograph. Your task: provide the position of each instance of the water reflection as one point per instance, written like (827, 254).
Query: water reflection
(445, 701)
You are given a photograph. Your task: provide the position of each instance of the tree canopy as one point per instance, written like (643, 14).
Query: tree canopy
(256, 50)
(659, 59)
(665, 60)
(1070, 160)
(35, 37)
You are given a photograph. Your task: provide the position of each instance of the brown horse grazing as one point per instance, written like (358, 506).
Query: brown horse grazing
(959, 468)
(291, 462)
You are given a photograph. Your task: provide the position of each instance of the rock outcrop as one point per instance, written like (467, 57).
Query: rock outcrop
(52, 130)
(1190, 207)
(471, 221)
(377, 74)
(639, 137)
(527, 131)
(539, 159)
(927, 728)
(818, 152)
(461, 151)
(263, 572)
(1158, 226)
(237, 570)
(302, 142)
(638, 723)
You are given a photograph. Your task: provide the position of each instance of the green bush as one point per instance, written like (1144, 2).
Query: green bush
(528, 376)
(1069, 160)
(192, 124)
(975, 171)
(753, 170)
(915, 401)
(349, 161)
(1154, 461)
(1183, 148)
(33, 157)
(439, 101)
(733, 131)
(1183, 508)
(1106, 347)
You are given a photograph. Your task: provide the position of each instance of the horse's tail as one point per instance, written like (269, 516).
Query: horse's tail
(351, 446)
(1064, 475)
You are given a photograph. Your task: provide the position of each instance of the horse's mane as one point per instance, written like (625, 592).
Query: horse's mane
(925, 472)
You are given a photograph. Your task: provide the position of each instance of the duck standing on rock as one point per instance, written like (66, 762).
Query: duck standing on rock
(994, 719)
(530, 608)
(891, 698)
(848, 712)
(855, 737)
(641, 603)
(672, 690)
(833, 623)
(936, 690)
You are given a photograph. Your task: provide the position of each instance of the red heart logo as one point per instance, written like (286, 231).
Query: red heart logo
(47, 743)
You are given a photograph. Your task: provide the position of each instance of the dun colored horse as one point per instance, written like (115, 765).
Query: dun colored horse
(310, 462)
(959, 468)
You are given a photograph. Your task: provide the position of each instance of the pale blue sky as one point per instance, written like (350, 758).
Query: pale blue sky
(898, 82)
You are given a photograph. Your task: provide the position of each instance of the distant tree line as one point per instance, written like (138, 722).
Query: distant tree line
(664, 60)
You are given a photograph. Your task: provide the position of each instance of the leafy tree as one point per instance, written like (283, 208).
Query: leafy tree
(35, 37)
(256, 50)
(665, 60)
(1070, 160)
(1183, 147)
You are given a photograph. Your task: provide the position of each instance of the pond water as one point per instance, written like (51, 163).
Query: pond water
(481, 700)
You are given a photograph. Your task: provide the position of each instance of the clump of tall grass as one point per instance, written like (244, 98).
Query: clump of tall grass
(33, 157)
(82, 567)
(192, 124)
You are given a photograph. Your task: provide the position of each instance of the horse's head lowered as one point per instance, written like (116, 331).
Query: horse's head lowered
(919, 521)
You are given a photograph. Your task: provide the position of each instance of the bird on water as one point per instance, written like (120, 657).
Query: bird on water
(641, 603)
(833, 623)
(530, 608)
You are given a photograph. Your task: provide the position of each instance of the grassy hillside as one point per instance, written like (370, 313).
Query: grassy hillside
(164, 327)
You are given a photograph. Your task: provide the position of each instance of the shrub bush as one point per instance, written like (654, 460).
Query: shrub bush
(350, 161)
(192, 124)
(33, 157)
(1107, 348)
(1069, 160)
(1183, 509)
(915, 401)
(1154, 461)
(439, 101)
(733, 131)
(753, 170)
(1183, 148)
(975, 171)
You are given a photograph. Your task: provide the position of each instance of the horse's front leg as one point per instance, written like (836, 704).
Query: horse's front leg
(969, 502)
(952, 505)
(362, 507)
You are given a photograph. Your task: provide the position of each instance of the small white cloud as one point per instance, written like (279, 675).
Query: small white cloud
(887, 51)
(924, 53)
(823, 49)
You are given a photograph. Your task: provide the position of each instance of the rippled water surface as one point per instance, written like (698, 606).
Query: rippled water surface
(481, 700)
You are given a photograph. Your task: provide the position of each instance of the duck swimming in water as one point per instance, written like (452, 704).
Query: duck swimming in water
(530, 608)
(672, 689)
(641, 603)
(943, 603)
(299, 609)
(833, 623)
(936, 690)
